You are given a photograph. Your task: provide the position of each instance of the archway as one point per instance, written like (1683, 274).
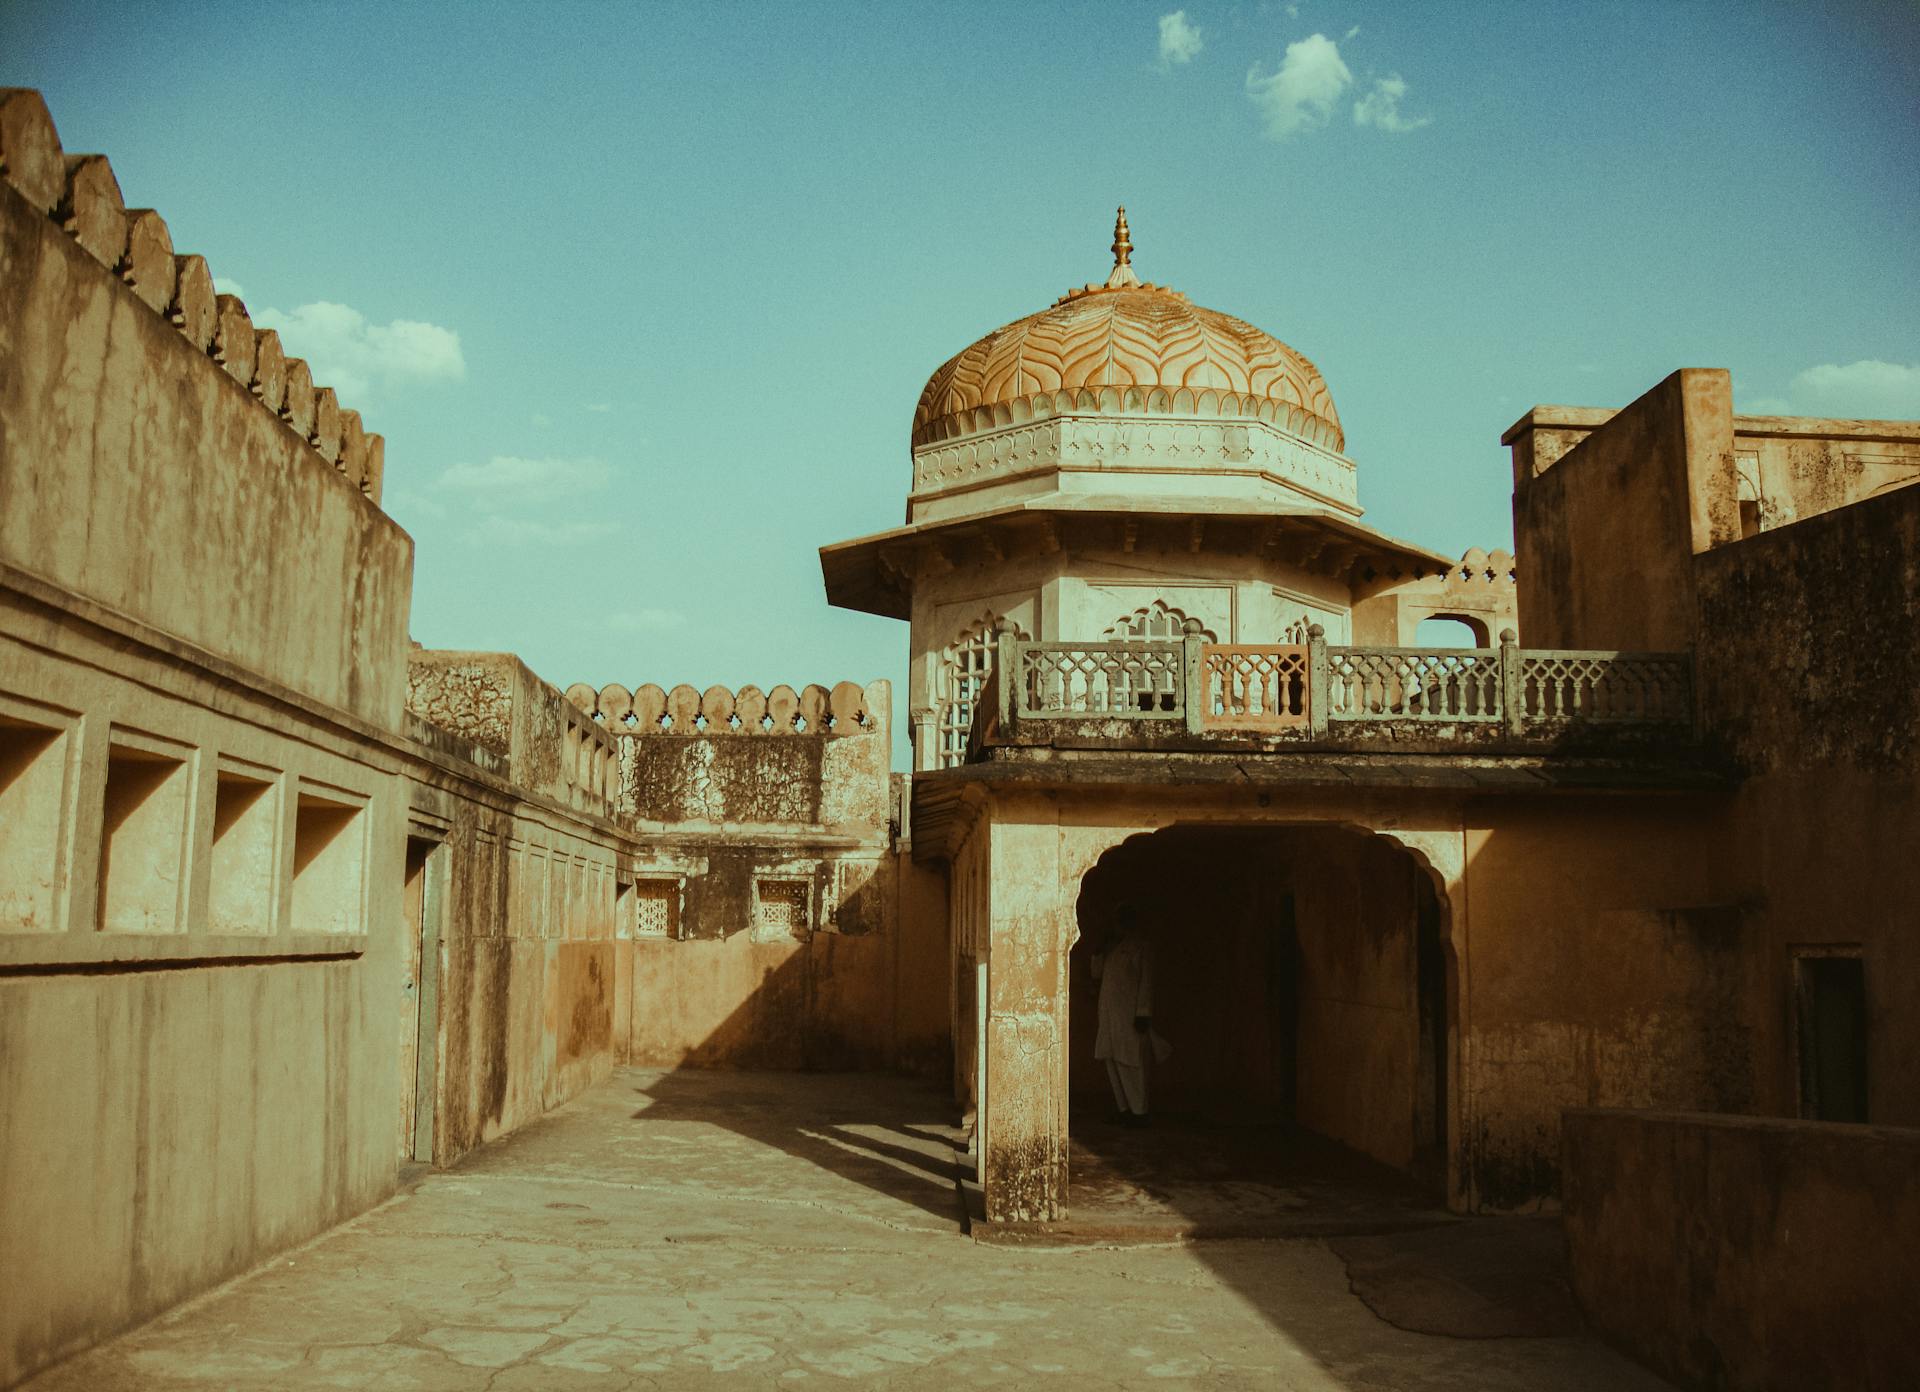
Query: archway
(1303, 978)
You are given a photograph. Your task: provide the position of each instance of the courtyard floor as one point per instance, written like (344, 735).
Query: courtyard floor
(689, 1230)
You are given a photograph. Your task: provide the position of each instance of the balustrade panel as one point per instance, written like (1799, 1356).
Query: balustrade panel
(1120, 680)
(1249, 686)
(1606, 688)
(1437, 684)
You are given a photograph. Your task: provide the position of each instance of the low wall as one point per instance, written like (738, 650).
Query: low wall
(1744, 1252)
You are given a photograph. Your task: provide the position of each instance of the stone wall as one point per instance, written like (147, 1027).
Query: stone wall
(1746, 1254)
(774, 923)
(166, 445)
(1809, 674)
(1604, 532)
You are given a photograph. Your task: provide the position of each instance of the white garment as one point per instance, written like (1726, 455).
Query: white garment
(1126, 991)
(1129, 1087)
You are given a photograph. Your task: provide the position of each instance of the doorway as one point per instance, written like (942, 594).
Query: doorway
(1302, 984)
(423, 899)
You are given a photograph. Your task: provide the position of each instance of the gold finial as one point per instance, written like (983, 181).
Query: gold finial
(1123, 274)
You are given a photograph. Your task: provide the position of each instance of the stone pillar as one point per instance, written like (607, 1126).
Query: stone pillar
(1031, 916)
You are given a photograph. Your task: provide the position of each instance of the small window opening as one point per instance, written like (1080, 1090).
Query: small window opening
(32, 795)
(1830, 999)
(240, 888)
(781, 912)
(656, 908)
(142, 842)
(1749, 517)
(329, 854)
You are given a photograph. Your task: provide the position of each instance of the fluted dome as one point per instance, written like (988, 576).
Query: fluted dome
(1127, 348)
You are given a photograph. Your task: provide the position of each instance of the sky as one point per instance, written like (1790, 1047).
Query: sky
(642, 296)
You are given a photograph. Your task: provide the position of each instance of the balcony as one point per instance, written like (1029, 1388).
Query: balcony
(1194, 694)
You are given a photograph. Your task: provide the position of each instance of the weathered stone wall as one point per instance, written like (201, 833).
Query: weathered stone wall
(527, 1004)
(1746, 1254)
(782, 928)
(163, 481)
(1604, 533)
(1607, 963)
(1809, 677)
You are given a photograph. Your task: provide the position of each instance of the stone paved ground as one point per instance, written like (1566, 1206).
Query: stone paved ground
(742, 1230)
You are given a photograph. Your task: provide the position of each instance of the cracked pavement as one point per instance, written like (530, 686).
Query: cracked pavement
(689, 1230)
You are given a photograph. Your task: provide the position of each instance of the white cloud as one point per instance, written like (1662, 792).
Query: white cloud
(353, 355)
(644, 620)
(1380, 108)
(1180, 42)
(1868, 389)
(1865, 390)
(1300, 96)
(223, 286)
(495, 530)
(404, 503)
(508, 481)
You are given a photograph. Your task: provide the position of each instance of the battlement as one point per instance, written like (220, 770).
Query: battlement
(80, 194)
(846, 709)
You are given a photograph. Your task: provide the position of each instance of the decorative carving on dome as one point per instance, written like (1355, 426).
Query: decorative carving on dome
(1121, 348)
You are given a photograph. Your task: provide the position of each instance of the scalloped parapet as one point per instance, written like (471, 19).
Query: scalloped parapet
(846, 708)
(80, 194)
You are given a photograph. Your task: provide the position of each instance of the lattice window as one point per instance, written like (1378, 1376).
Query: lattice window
(964, 669)
(780, 911)
(657, 908)
(1158, 622)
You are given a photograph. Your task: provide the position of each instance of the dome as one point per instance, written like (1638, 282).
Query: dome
(1127, 348)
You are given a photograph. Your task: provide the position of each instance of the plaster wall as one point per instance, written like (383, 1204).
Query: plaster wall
(1607, 962)
(1604, 533)
(161, 488)
(1809, 664)
(182, 1099)
(1748, 1254)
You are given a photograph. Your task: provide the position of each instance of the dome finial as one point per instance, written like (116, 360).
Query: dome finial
(1122, 254)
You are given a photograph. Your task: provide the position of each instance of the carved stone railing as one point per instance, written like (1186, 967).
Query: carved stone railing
(1253, 687)
(1413, 684)
(1117, 681)
(1318, 691)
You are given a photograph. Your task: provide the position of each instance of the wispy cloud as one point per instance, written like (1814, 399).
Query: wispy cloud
(1380, 108)
(1180, 41)
(353, 355)
(1300, 96)
(223, 286)
(602, 407)
(508, 480)
(1869, 389)
(497, 530)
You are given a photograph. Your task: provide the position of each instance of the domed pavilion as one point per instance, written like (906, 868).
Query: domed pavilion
(1115, 466)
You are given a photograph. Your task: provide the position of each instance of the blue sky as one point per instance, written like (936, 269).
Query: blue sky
(642, 296)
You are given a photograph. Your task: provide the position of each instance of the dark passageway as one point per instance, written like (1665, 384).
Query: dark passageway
(1300, 984)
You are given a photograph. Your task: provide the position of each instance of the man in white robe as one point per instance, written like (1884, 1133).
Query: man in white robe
(1125, 974)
